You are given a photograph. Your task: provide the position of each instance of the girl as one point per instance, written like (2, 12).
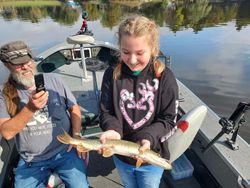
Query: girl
(138, 100)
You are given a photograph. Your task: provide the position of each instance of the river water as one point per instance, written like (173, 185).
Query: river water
(209, 43)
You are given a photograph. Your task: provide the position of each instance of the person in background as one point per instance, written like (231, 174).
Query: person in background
(139, 100)
(84, 27)
(34, 119)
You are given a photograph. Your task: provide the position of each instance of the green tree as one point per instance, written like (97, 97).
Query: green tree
(243, 15)
(196, 13)
(64, 15)
(111, 17)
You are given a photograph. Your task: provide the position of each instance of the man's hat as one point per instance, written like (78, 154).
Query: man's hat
(16, 52)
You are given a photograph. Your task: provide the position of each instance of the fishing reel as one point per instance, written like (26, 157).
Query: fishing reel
(232, 125)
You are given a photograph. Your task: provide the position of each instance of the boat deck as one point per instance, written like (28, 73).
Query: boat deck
(102, 173)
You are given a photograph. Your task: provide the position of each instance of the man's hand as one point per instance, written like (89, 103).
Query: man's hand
(37, 100)
(82, 155)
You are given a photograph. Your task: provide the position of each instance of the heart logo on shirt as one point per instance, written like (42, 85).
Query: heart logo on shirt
(127, 101)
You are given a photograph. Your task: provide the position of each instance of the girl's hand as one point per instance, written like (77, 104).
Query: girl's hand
(144, 145)
(108, 135)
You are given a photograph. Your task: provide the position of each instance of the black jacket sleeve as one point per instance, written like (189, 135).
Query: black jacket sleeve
(108, 119)
(166, 111)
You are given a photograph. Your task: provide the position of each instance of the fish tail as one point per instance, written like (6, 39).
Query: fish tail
(64, 138)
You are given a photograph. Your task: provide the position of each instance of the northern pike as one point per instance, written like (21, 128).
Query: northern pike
(121, 147)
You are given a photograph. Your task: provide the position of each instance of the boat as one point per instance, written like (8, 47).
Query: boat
(207, 156)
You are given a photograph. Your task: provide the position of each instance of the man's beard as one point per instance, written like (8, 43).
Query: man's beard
(22, 80)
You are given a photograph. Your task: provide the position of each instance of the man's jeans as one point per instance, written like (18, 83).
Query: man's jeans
(69, 167)
(148, 176)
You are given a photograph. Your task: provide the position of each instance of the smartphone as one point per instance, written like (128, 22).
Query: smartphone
(39, 82)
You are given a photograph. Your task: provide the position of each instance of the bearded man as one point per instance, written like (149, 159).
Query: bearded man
(34, 119)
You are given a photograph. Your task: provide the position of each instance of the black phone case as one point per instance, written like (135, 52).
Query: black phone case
(39, 82)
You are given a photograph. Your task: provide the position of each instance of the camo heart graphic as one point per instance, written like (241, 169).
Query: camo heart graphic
(147, 93)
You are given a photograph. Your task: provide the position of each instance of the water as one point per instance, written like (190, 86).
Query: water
(209, 42)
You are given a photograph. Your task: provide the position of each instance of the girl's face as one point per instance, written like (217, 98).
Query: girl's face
(135, 52)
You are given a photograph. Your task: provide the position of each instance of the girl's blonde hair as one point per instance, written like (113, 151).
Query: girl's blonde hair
(11, 96)
(137, 26)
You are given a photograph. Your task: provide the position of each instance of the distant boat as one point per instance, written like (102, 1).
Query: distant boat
(81, 62)
(72, 3)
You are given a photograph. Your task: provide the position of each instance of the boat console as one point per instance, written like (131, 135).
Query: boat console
(82, 39)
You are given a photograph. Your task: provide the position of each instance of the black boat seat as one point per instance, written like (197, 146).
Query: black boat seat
(80, 39)
(94, 64)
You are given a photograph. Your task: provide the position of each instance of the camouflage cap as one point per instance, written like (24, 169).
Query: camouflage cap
(16, 52)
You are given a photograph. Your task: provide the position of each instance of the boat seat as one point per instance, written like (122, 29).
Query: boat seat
(94, 64)
(187, 127)
(90, 125)
(80, 39)
(89, 120)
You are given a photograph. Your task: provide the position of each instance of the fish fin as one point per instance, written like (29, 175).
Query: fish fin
(141, 153)
(107, 152)
(80, 148)
(138, 162)
(64, 138)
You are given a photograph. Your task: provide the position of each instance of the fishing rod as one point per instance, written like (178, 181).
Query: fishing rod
(232, 125)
